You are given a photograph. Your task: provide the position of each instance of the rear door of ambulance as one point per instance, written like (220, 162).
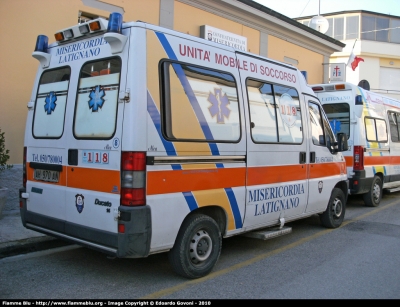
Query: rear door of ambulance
(76, 145)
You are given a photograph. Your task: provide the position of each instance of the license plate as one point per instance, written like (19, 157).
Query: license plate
(45, 175)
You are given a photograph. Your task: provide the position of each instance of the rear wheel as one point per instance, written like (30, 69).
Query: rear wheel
(197, 247)
(373, 197)
(334, 213)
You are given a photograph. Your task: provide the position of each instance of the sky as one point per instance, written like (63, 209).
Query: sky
(300, 8)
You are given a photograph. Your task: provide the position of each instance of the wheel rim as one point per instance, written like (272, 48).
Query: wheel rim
(376, 193)
(337, 208)
(200, 247)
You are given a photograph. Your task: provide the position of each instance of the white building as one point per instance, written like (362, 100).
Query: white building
(375, 38)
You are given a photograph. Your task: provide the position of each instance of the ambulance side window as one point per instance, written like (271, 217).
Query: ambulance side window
(317, 130)
(275, 113)
(51, 101)
(199, 104)
(375, 129)
(394, 120)
(97, 100)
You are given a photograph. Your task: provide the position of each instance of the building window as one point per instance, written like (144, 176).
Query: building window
(382, 29)
(394, 32)
(338, 29)
(330, 28)
(389, 79)
(85, 17)
(368, 27)
(375, 28)
(306, 22)
(352, 27)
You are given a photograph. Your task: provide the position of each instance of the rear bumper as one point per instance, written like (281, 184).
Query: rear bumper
(359, 184)
(133, 243)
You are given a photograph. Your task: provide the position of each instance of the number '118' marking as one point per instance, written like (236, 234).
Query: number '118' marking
(95, 157)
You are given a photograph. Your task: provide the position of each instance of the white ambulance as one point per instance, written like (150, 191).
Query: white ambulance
(371, 123)
(141, 140)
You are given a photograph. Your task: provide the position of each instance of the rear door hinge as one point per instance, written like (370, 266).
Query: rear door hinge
(124, 96)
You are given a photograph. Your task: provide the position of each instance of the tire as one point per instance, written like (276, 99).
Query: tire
(373, 197)
(197, 247)
(334, 213)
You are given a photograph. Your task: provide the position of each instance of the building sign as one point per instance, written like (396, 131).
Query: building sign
(337, 72)
(223, 37)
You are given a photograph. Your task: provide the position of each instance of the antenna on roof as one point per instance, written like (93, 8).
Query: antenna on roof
(319, 23)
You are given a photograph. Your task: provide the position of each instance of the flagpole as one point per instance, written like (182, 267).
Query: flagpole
(354, 44)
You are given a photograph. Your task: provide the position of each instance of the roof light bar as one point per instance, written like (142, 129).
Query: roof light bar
(40, 52)
(84, 29)
(42, 43)
(99, 24)
(59, 36)
(114, 36)
(95, 26)
(115, 23)
(68, 34)
(317, 88)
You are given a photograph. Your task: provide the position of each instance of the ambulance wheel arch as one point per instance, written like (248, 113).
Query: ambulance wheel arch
(334, 213)
(197, 247)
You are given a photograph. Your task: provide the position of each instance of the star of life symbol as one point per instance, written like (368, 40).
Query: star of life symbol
(96, 98)
(219, 105)
(50, 102)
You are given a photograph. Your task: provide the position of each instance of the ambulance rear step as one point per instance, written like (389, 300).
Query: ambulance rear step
(270, 233)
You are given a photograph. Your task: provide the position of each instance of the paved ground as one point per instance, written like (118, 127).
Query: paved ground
(16, 239)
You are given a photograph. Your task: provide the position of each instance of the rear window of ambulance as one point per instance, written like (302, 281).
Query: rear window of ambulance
(50, 104)
(97, 99)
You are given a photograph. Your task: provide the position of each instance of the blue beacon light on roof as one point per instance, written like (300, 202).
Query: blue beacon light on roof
(41, 43)
(115, 23)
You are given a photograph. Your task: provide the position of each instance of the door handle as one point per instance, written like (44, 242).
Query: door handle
(312, 157)
(302, 157)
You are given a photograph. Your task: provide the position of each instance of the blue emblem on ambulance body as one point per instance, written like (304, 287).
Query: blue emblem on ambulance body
(50, 102)
(219, 106)
(96, 98)
(79, 202)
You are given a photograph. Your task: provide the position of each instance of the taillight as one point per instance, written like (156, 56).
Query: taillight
(358, 158)
(133, 179)
(317, 88)
(24, 168)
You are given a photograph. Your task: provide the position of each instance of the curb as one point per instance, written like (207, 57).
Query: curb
(30, 245)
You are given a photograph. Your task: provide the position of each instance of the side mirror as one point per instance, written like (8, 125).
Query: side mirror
(342, 142)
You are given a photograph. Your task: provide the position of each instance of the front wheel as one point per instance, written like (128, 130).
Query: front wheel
(334, 213)
(197, 247)
(373, 197)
